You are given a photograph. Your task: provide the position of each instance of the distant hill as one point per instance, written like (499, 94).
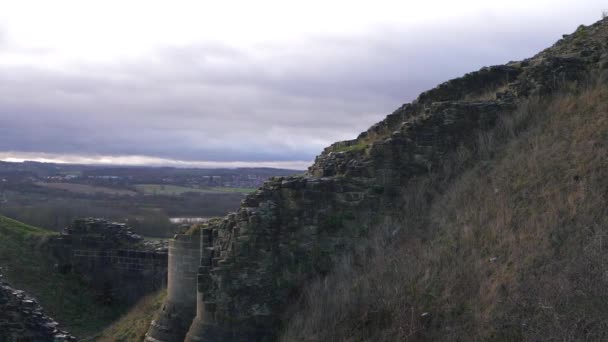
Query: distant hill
(50, 169)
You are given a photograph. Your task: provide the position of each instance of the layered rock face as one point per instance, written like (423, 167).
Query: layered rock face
(253, 261)
(110, 258)
(22, 318)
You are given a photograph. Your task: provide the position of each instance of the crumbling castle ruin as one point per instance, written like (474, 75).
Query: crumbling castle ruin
(111, 259)
(232, 279)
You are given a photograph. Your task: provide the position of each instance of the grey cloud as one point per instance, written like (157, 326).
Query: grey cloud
(215, 102)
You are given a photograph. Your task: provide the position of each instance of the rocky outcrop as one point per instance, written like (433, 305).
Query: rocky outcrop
(22, 318)
(111, 259)
(254, 260)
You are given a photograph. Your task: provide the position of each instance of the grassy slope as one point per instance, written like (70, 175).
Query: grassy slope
(134, 324)
(63, 297)
(513, 248)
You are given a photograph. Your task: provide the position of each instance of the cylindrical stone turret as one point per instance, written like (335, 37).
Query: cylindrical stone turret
(204, 313)
(179, 308)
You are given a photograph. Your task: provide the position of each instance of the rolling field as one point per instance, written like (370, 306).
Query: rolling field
(87, 189)
(176, 190)
(146, 189)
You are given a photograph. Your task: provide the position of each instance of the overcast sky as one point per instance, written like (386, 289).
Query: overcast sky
(240, 83)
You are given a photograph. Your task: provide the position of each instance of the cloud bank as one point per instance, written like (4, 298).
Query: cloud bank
(217, 102)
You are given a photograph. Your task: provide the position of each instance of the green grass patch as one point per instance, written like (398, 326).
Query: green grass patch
(359, 146)
(26, 265)
(16, 228)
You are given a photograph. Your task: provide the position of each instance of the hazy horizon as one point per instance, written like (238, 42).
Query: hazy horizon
(239, 84)
(138, 161)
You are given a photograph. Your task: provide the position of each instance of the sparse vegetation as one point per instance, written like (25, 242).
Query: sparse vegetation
(510, 246)
(581, 32)
(488, 94)
(134, 324)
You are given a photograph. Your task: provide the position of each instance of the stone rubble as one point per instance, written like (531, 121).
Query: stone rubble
(104, 229)
(23, 319)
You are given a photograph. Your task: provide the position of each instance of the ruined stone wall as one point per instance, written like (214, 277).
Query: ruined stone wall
(121, 274)
(115, 264)
(288, 230)
(122, 259)
(179, 309)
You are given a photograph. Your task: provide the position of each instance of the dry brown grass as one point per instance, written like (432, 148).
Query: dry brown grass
(488, 94)
(512, 246)
(134, 324)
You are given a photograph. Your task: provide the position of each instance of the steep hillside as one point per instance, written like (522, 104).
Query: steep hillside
(503, 241)
(475, 211)
(512, 249)
(27, 266)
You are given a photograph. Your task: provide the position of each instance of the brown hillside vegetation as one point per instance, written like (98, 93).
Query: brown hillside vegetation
(507, 242)
(133, 325)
